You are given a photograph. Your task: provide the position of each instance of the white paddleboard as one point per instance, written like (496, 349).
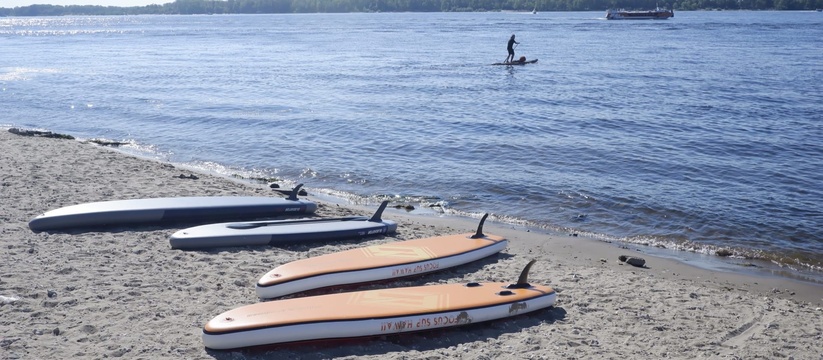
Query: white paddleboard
(374, 313)
(379, 262)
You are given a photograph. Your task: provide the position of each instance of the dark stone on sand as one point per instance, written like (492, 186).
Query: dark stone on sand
(51, 293)
(190, 176)
(631, 260)
(636, 261)
(724, 252)
(274, 186)
(46, 134)
(102, 142)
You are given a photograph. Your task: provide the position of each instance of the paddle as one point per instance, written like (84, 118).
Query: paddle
(254, 225)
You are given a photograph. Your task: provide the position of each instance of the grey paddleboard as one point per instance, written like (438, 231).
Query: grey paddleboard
(281, 231)
(168, 210)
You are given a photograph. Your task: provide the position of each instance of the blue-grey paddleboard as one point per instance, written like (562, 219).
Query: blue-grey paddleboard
(168, 210)
(281, 231)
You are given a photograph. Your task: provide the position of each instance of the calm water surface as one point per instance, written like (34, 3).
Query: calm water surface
(698, 133)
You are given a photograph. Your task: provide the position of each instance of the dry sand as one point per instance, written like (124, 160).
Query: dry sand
(125, 293)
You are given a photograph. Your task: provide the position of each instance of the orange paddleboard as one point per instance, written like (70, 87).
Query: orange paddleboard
(374, 312)
(379, 262)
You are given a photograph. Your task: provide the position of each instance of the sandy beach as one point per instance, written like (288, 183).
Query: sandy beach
(125, 293)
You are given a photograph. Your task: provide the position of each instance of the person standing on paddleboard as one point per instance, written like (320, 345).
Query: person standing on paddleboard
(510, 47)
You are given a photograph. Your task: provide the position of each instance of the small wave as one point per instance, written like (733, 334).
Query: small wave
(54, 33)
(804, 266)
(20, 73)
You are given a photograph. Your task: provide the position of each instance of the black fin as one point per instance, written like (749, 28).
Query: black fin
(479, 233)
(523, 281)
(295, 191)
(379, 212)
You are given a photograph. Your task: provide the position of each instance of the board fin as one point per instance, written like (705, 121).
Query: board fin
(479, 233)
(379, 212)
(294, 192)
(523, 280)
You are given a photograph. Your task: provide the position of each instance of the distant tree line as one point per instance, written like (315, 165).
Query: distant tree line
(345, 6)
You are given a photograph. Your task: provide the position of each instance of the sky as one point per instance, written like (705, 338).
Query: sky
(123, 3)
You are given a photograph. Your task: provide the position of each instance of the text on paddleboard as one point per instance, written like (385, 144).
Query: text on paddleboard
(425, 322)
(408, 270)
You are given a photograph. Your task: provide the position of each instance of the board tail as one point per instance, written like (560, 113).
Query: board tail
(379, 212)
(293, 195)
(523, 280)
(479, 233)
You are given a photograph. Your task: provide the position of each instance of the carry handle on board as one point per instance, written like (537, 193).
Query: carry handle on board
(254, 225)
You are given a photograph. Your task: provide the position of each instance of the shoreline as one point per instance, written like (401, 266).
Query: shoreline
(697, 257)
(126, 293)
(593, 251)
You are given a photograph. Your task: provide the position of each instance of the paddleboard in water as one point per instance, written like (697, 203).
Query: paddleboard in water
(517, 62)
(374, 312)
(168, 210)
(379, 262)
(281, 231)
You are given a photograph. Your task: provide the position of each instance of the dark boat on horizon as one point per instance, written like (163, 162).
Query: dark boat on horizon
(656, 14)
